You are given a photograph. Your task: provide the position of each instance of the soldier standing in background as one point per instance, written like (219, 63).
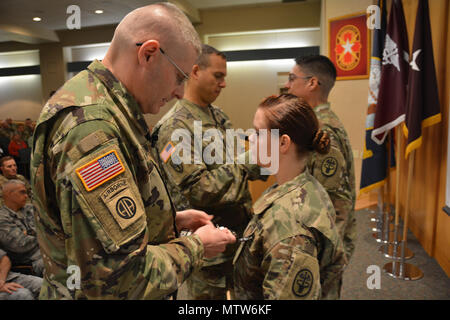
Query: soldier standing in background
(218, 188)
(102, 205)
(312, 79)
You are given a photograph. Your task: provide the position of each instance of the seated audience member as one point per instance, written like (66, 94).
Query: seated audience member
(8, 168)
(21, 132)
(29, 130)
(6, 130)
(291, 248)
(15, 145)
(17, 286)
(17, 227)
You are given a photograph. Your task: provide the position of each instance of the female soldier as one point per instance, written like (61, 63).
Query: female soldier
(291, 248)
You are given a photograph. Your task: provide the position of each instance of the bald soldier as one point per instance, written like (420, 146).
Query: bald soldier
(105, 217)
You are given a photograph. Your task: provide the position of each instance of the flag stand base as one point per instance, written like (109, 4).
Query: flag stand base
(403, 271)
(388, 251)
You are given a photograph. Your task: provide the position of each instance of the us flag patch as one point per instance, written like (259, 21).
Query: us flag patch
(167, 151)
(100, 170)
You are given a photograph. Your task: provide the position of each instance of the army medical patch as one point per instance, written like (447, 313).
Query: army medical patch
(329, 166)
(167, 151)
(100, 170)
(302, 283)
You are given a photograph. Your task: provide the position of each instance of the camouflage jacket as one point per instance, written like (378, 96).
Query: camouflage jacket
(20, 177)
(335, 170)
(7, 132)
(293, 249)
(102, 205)
(18, 234)
(217, 188)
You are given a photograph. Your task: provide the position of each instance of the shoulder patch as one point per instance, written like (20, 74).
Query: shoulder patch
(122, 203)
(302, 283)
(167, 151)
(329, 166)
(100, 170)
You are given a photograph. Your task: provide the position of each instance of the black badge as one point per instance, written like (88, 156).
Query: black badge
(126, 207)
(303, 283)
(329, 166)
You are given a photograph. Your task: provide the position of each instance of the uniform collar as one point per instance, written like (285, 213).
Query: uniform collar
(115, 87)
(199, 113)
(279, 191)
(324, 106)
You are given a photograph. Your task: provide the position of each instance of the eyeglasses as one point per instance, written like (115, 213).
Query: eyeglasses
(185, 76)
(292, 77)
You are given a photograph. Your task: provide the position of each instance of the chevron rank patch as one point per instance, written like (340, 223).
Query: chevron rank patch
(167, 151)
(100, 170)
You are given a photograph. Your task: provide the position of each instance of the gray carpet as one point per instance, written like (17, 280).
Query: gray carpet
(435, 285)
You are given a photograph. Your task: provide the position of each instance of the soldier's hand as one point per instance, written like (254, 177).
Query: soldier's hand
(214, 239)
(10, 287)
(192, 219)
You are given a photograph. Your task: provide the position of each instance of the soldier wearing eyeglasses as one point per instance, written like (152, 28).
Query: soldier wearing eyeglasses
(103, 207)
(312, 79)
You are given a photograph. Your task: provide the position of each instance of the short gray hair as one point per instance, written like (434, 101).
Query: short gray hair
(10, 183)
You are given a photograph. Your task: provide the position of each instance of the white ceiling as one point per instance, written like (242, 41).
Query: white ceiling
(16, 16)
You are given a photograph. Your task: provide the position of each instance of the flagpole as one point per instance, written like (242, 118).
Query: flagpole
(406, 271)
(390, 250)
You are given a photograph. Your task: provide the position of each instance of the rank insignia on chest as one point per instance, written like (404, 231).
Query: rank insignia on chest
(167, 151)
(100, 170)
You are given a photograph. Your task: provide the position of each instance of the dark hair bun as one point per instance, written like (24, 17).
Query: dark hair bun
(321, 142)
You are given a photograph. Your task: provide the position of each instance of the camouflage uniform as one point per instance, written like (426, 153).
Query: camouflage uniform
(118, 228)
(20, 177)
(218, 189)
(31, 285)
(7, 131)
(18, 237)
(293, 250)
(26, 134)
(335, 171)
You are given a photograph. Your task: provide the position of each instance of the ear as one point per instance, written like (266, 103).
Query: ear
(194, 72)
(285, 143)
(147, 50)
(313, 83)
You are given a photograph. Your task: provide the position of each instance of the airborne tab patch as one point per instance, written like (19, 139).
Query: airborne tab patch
(100, 170)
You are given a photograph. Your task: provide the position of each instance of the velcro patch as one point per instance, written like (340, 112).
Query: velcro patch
(329, 166)
(302, 283)
(100, 170)
(122, 204)
(167, 151)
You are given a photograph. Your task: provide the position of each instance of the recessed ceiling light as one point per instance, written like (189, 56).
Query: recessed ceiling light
(37, 19)
(98, 11)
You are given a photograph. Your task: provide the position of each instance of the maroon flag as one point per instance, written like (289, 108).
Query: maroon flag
(422, 107)
(391, 104)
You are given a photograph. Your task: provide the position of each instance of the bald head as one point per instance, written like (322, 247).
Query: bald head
(161, 21)
(152, 48)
